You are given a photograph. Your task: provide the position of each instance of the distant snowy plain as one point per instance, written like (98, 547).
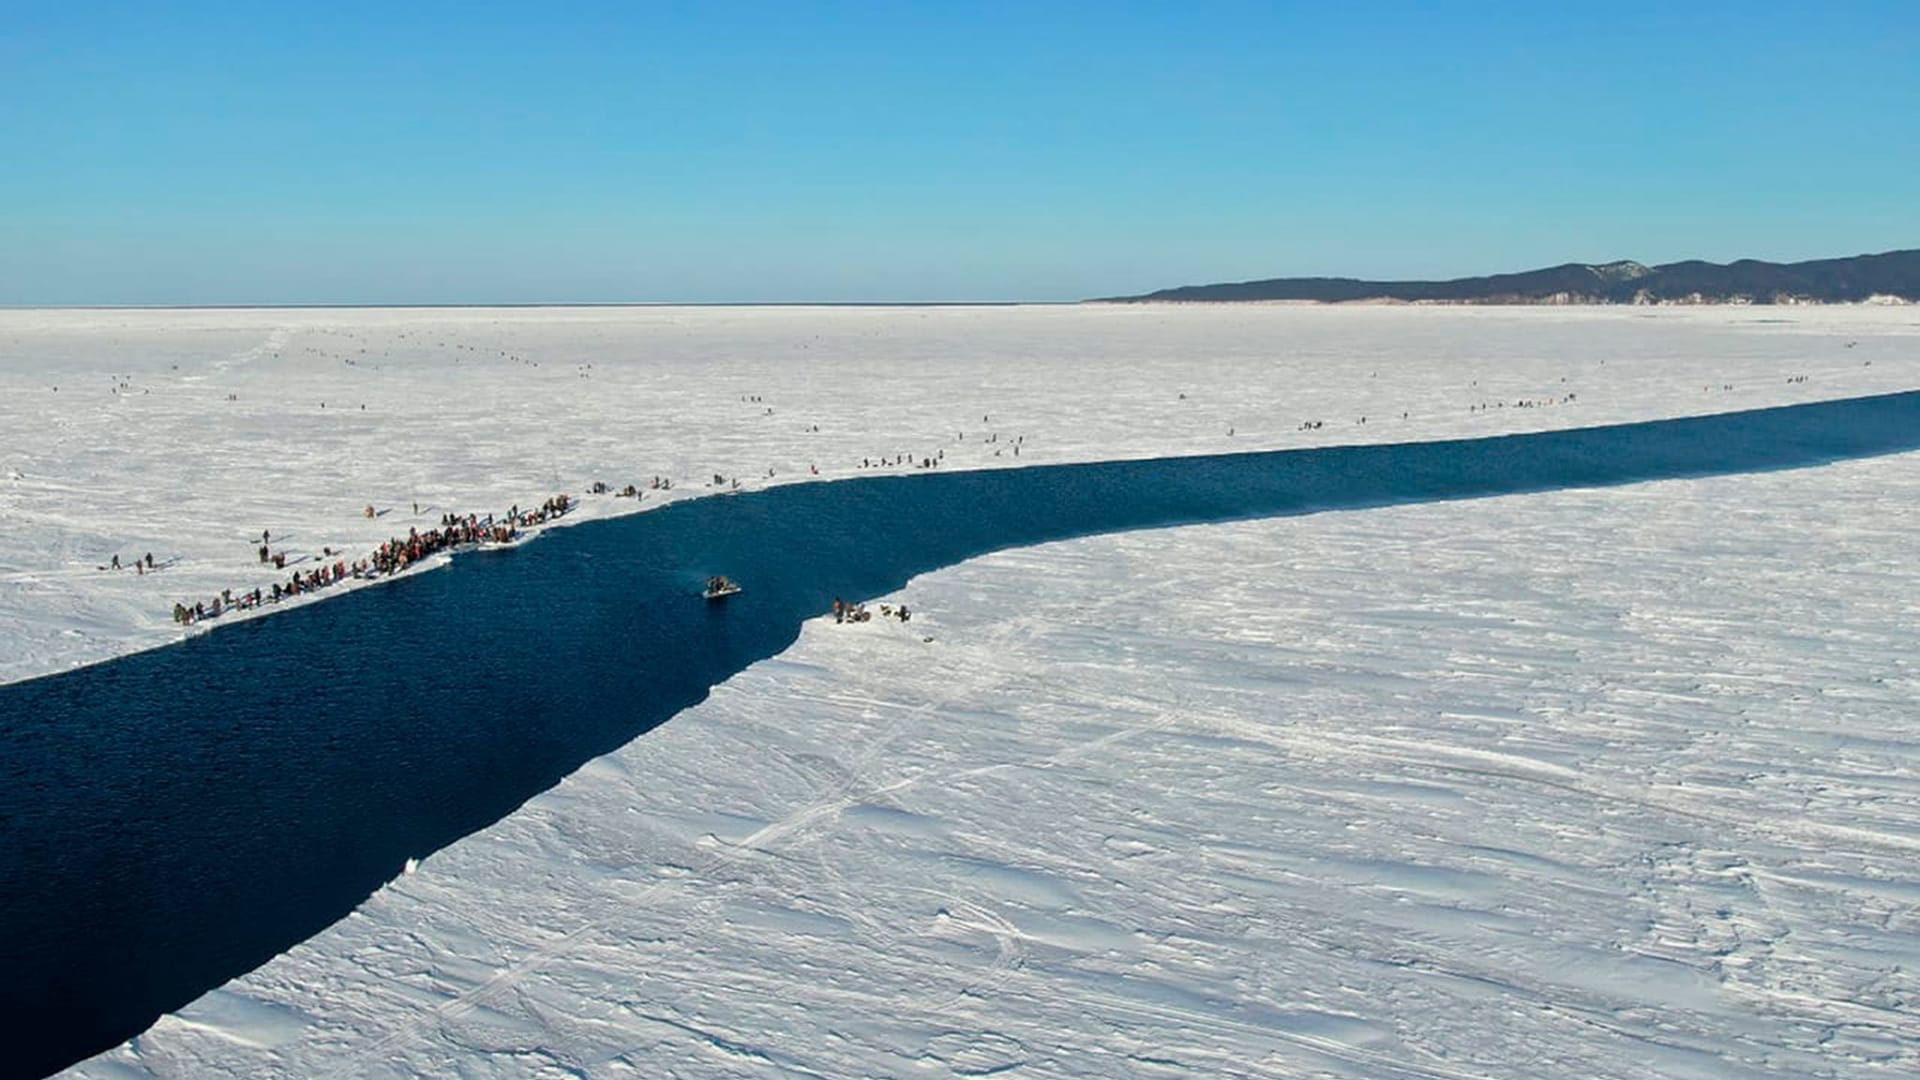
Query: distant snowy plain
(1613, 782)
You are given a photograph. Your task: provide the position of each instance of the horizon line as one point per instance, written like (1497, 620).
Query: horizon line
(540, 304)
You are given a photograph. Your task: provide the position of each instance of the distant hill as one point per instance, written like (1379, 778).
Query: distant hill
(1749, 281)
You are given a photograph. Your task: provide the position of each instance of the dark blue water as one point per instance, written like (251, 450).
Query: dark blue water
(172, 819)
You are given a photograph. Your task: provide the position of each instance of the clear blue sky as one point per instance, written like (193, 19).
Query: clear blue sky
(471, 152)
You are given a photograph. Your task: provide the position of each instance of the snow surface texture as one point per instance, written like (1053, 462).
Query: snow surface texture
(1605, 783)
(1596, 783)
(185, 433)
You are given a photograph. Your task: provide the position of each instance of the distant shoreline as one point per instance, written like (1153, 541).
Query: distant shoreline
(1883, 277)
(1389, 301)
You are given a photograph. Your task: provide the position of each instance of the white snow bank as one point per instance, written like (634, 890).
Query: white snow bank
(185, 433)
(1605, 783)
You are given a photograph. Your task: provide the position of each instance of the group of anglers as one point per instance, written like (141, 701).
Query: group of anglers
(1534, 403)
(392, 557)
(844, 612)
(600, 487)
(939, 457)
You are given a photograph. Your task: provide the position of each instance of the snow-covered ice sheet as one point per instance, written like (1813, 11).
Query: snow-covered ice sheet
(1604, 783)
(185, 433)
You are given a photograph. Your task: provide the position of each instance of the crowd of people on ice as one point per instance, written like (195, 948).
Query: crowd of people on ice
(399, 553)
(938, 457)
(392, 557)
(1529, 403)
(601, 487)
(844, 612)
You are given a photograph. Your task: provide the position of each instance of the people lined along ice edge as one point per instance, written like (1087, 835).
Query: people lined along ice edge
(392, 557)
(396, 554)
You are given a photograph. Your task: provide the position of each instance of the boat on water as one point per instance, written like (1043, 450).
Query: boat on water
(719, 587)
